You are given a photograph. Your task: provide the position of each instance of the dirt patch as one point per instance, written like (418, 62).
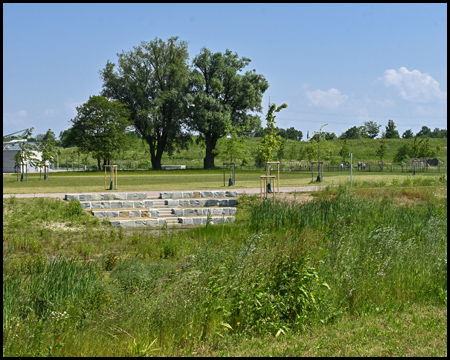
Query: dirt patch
(60, 226)
(293, 197)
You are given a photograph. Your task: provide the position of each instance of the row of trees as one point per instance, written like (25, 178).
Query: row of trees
(371, 129)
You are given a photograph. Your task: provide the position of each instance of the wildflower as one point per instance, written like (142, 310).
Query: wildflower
(238, 324)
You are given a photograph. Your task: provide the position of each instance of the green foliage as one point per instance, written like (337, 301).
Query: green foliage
(219, 94)
(408, 134)
(281, 269)
(233, 147)
(372, 129)
(99, 127)
(390, 132)
(403, 153)
(319, 146)
(270, 141)
(344, 151)
(381, 151)
(151, 81)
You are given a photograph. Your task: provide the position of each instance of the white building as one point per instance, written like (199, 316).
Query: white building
(10, 149)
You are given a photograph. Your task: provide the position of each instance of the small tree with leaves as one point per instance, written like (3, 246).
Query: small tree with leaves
(271, 140)
(233, 147)
(48, 150)
(381, 152)
(344, 151)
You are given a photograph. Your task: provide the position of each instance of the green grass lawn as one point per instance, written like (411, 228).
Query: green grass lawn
(363, 150)
(69, 182)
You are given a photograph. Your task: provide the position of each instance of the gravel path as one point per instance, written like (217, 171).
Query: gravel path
(155, 194)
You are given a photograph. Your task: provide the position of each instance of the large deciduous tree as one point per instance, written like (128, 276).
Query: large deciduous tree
(152, 81)
(220, 93)
(100, 127)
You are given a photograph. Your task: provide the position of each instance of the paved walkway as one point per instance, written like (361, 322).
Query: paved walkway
(155, 194)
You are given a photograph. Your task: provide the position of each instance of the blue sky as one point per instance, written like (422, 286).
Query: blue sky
(335, 64)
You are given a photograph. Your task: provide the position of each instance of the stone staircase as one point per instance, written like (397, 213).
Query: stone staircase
(170, 208)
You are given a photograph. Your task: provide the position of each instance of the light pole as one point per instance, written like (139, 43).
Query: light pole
(351, 169)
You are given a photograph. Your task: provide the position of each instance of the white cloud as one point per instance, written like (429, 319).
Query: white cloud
(330, 99)
(413, 85)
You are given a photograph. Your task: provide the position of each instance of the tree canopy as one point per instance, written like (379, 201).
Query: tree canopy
(151, 80)
(391, 133)
(220, 93)
(99, 127)
(372, 129)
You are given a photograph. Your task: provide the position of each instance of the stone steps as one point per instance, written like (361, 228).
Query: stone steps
(170, 209)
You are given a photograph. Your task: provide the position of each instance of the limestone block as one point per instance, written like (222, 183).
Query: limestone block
(112, 213)
(127, 223)
(212, 202)
(99, 214)
(206, 194)
(184, 202)
(161, 222)
(230, 194)
(219, 194)
(194, 202)
(232, 210)
(152, 222)
(85, 204)
(187, 221)
(199, 221)
(178, 212)
(188, 194)
(170, 202)
(148, 203)
(196, 194)
(139, 204)
(189, 212)
(107, 197)
(115, 223)
(153, 212)
(165, 195)
(140, 223)
(135, 213)
(84, 197)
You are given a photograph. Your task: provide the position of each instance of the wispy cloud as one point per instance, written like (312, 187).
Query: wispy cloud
(330, 99)
(413, 85)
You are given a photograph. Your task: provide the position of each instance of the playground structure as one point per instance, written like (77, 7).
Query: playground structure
(113, 183)
(319, 170)
(269, 181)
(232, 179)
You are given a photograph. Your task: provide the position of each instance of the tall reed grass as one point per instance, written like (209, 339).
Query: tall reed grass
(279, 269)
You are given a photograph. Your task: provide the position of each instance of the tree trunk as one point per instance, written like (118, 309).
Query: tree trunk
(99, 164)
(208, 161)
(156, 152)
